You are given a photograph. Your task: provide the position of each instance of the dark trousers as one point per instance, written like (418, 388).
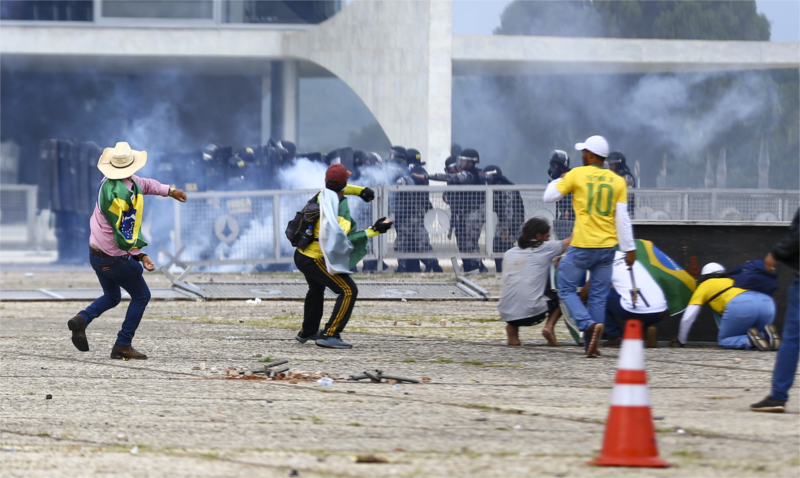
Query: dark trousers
(113, 273)
(615, 312)
(786, 362)
(318, 279)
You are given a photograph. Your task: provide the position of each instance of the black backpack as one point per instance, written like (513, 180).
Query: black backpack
(300, 230)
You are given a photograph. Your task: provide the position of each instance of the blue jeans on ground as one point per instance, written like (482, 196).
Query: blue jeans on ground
(786, 363)
(571, 272)
(614, 311)
(748, 309)
(113, 273)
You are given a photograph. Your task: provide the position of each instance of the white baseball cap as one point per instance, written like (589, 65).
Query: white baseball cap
(711, 268)
(596, 144)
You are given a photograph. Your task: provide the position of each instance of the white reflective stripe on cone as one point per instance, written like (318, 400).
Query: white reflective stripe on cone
(631, 355)
(630, 396)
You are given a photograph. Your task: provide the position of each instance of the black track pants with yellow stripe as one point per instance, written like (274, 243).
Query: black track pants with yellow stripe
(318, 279)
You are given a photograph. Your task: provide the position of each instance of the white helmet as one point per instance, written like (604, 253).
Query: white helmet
(712, 268)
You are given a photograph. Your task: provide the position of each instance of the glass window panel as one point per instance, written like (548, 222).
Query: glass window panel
(186, 9)
(275, 11)
(47, 10)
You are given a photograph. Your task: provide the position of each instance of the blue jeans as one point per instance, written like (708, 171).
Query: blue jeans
(786, 363)
(114, 273)
(571, 272)
(748, 309)
(614, 311)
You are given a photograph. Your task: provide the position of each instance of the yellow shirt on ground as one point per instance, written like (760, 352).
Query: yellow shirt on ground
(313, 251)
(709, 288)
(595, 194)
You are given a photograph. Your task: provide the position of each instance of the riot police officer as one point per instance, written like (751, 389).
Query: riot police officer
(510, 212)
(565, 219)
(468, 210)
(617, 163)
(410, 209)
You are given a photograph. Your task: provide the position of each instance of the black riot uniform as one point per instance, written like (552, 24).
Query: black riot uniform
(409, 211)
(468, 209)
(617, 163)
(510, 212)
(565, 216)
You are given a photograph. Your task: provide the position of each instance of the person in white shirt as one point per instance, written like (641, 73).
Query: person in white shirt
(650, 305)
(525, 298)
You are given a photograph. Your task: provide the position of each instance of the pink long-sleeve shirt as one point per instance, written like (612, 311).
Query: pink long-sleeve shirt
(103, 235)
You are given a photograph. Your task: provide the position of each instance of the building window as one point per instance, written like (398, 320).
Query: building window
(284, 12)
(47, 10)
(169, 9)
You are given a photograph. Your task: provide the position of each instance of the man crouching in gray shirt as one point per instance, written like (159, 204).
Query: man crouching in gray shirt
(524, 299)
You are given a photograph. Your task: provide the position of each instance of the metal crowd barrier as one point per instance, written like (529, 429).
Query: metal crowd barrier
(227, 228)
(246, 227)
(18, 220)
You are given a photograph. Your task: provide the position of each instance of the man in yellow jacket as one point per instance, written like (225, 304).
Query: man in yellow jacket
(326, 262)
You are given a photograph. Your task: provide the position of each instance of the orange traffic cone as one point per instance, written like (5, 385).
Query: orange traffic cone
(630, 439)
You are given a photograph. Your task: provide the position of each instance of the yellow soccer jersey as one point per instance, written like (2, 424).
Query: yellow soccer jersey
(595, 194)
(710, 288)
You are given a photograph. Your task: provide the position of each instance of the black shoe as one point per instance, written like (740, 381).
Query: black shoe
(78, 327)
(615, 343)
(302, 338)
(756, 340)
(772, 337)
(332, 342)
(591, 339)
(769, 405)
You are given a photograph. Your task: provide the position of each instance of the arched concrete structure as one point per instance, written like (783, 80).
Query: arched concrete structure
(396, 56)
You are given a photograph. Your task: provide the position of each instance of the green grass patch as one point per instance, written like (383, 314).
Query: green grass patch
(442, 360)
(317, 420)
(297, 418)
(354, 424)
(268, 359)
(409, 361)
(473, 362)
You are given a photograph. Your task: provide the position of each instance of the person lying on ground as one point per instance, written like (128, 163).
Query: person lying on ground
(526, 298)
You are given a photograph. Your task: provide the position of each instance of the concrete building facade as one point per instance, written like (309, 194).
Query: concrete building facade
(398, 56)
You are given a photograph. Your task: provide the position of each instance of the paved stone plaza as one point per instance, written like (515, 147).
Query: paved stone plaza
(489, 410)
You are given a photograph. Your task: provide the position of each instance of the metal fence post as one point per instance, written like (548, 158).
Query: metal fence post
(685, 206)
(33, 237)
(490, 225)
(713, 206)
(276, 224)
(177, 232)
(383, 211)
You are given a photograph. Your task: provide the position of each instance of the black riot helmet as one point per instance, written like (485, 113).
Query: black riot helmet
(414, 157)
(559, 164)
(469, 155)
(398, 155)
(616, 162)
(455, 149)
(492, 173)
(451, 165)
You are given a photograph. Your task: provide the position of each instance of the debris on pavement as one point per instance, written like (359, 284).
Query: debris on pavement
(48, 397)
(370, 459)
(378, 376)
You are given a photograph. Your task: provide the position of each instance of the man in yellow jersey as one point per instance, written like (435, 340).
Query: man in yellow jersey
(600, 202)
(323, 267)
(744, 316)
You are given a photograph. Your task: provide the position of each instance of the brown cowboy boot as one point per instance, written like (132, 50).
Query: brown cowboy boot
(78, 327)
(120, 352)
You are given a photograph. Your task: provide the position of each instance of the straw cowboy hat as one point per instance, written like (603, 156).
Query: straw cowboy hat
(121, 161)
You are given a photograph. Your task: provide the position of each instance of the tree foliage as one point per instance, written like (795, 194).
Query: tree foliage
(685, 118)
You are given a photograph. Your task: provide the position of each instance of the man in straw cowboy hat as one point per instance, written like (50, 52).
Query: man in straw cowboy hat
(115, 245)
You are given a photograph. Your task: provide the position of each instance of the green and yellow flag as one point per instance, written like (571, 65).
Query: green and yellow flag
(123, 210)
(675, 282)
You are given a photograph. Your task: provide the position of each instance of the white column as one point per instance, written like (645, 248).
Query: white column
(291, 100)
(266, 107)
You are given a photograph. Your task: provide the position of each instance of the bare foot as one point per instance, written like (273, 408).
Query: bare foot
(550, 337)
(513, 335)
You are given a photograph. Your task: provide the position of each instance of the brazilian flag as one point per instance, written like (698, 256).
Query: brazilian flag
(675, 282)
(358, 238)
(123, 209)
